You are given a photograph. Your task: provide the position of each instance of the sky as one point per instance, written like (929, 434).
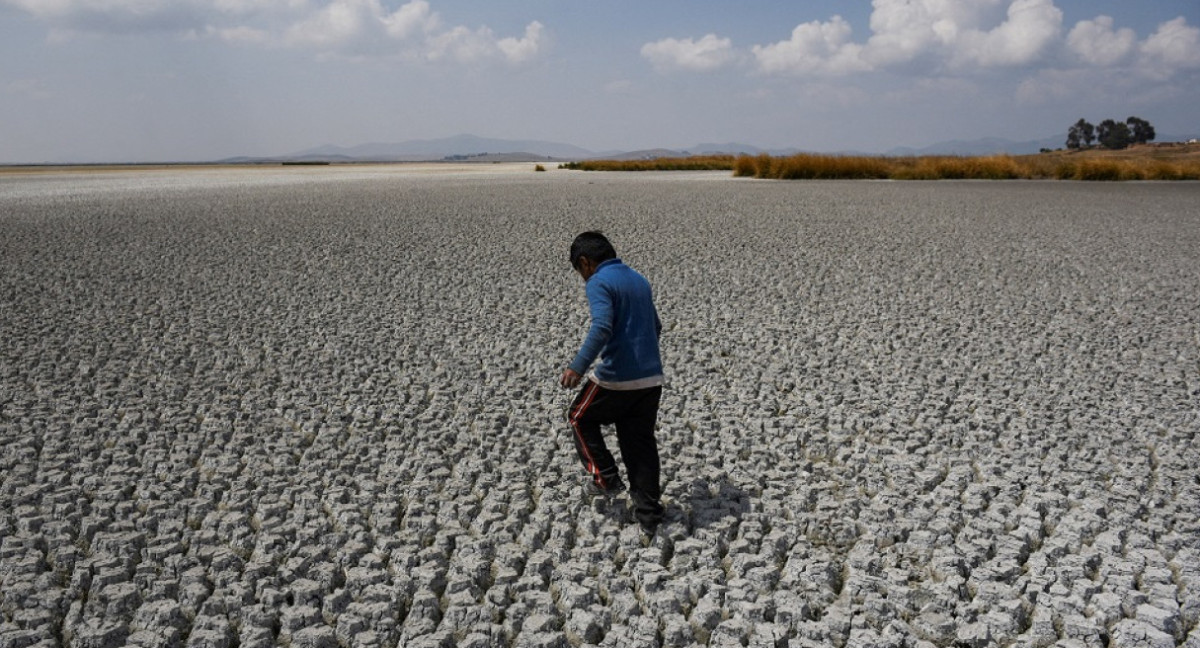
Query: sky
(195, 80)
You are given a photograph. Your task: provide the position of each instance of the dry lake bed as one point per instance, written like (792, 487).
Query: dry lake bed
(318, 407)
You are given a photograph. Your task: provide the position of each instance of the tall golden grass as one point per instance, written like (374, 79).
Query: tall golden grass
(992, 167)
(842, 167)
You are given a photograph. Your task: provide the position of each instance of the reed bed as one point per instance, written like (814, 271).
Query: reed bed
(993, 167)
(853, 167)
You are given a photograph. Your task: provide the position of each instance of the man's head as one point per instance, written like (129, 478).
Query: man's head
(589, 250)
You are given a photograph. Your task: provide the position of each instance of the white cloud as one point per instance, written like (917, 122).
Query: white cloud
(338, 22)
(356, 23)
(1173, 48)
(60, 8)
(1176, 45)
(1095, 42)
(704, 55)
(904, 30)
(253, 6)
(961, 34)
(411, 19)
(955, 36)
(113, 16)
(814, 48)
(946, 34)
(464, 45)
(1032, 26)
(520, 50)
(461, 45)
(413, 30)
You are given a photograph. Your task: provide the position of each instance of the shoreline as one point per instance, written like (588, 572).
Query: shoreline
(417, 167)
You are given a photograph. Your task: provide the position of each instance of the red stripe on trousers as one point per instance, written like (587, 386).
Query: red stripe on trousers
(576, 414)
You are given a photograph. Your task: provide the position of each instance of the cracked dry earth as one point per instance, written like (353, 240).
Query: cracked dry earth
(318, 408)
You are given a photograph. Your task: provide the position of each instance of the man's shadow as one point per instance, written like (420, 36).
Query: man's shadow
(703, 503)
(706, 503)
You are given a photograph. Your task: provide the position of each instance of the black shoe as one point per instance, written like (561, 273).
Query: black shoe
(649, 527)
(615, 486)
(649, 512)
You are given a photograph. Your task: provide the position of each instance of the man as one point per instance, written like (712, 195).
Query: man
(624, 388)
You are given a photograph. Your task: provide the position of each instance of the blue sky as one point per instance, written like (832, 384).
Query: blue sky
(182, 80)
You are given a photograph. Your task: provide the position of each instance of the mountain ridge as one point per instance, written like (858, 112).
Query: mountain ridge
(487, 149)
(456, 145)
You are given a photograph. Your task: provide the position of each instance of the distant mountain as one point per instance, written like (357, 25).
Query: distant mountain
(457, 146)
(984, 146)
(483, 149)
(735, 148)
(729, 148)
(642, 154)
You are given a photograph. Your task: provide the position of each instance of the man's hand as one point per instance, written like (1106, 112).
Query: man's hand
(569, 379)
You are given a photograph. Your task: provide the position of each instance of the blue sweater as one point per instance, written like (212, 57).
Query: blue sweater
(624, 331)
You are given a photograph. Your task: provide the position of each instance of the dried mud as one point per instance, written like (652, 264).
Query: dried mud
(318, 407)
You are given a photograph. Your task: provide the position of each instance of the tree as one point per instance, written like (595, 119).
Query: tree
(1113, 134)
(1089, 133)
(1140, 130)
(1081, 134)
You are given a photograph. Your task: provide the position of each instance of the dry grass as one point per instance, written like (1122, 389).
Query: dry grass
(992, 167)
(1163, 162)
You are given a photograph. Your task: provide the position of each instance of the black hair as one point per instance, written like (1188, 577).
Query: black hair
(592, 245)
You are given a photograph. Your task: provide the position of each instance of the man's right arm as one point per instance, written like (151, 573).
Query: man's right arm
(601, 306)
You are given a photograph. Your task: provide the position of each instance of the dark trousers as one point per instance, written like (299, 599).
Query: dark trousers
(634, 413)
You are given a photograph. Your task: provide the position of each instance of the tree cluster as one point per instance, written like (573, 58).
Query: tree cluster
(1110, 134)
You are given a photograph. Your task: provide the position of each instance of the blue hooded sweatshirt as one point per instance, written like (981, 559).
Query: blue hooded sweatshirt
(624, 330)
